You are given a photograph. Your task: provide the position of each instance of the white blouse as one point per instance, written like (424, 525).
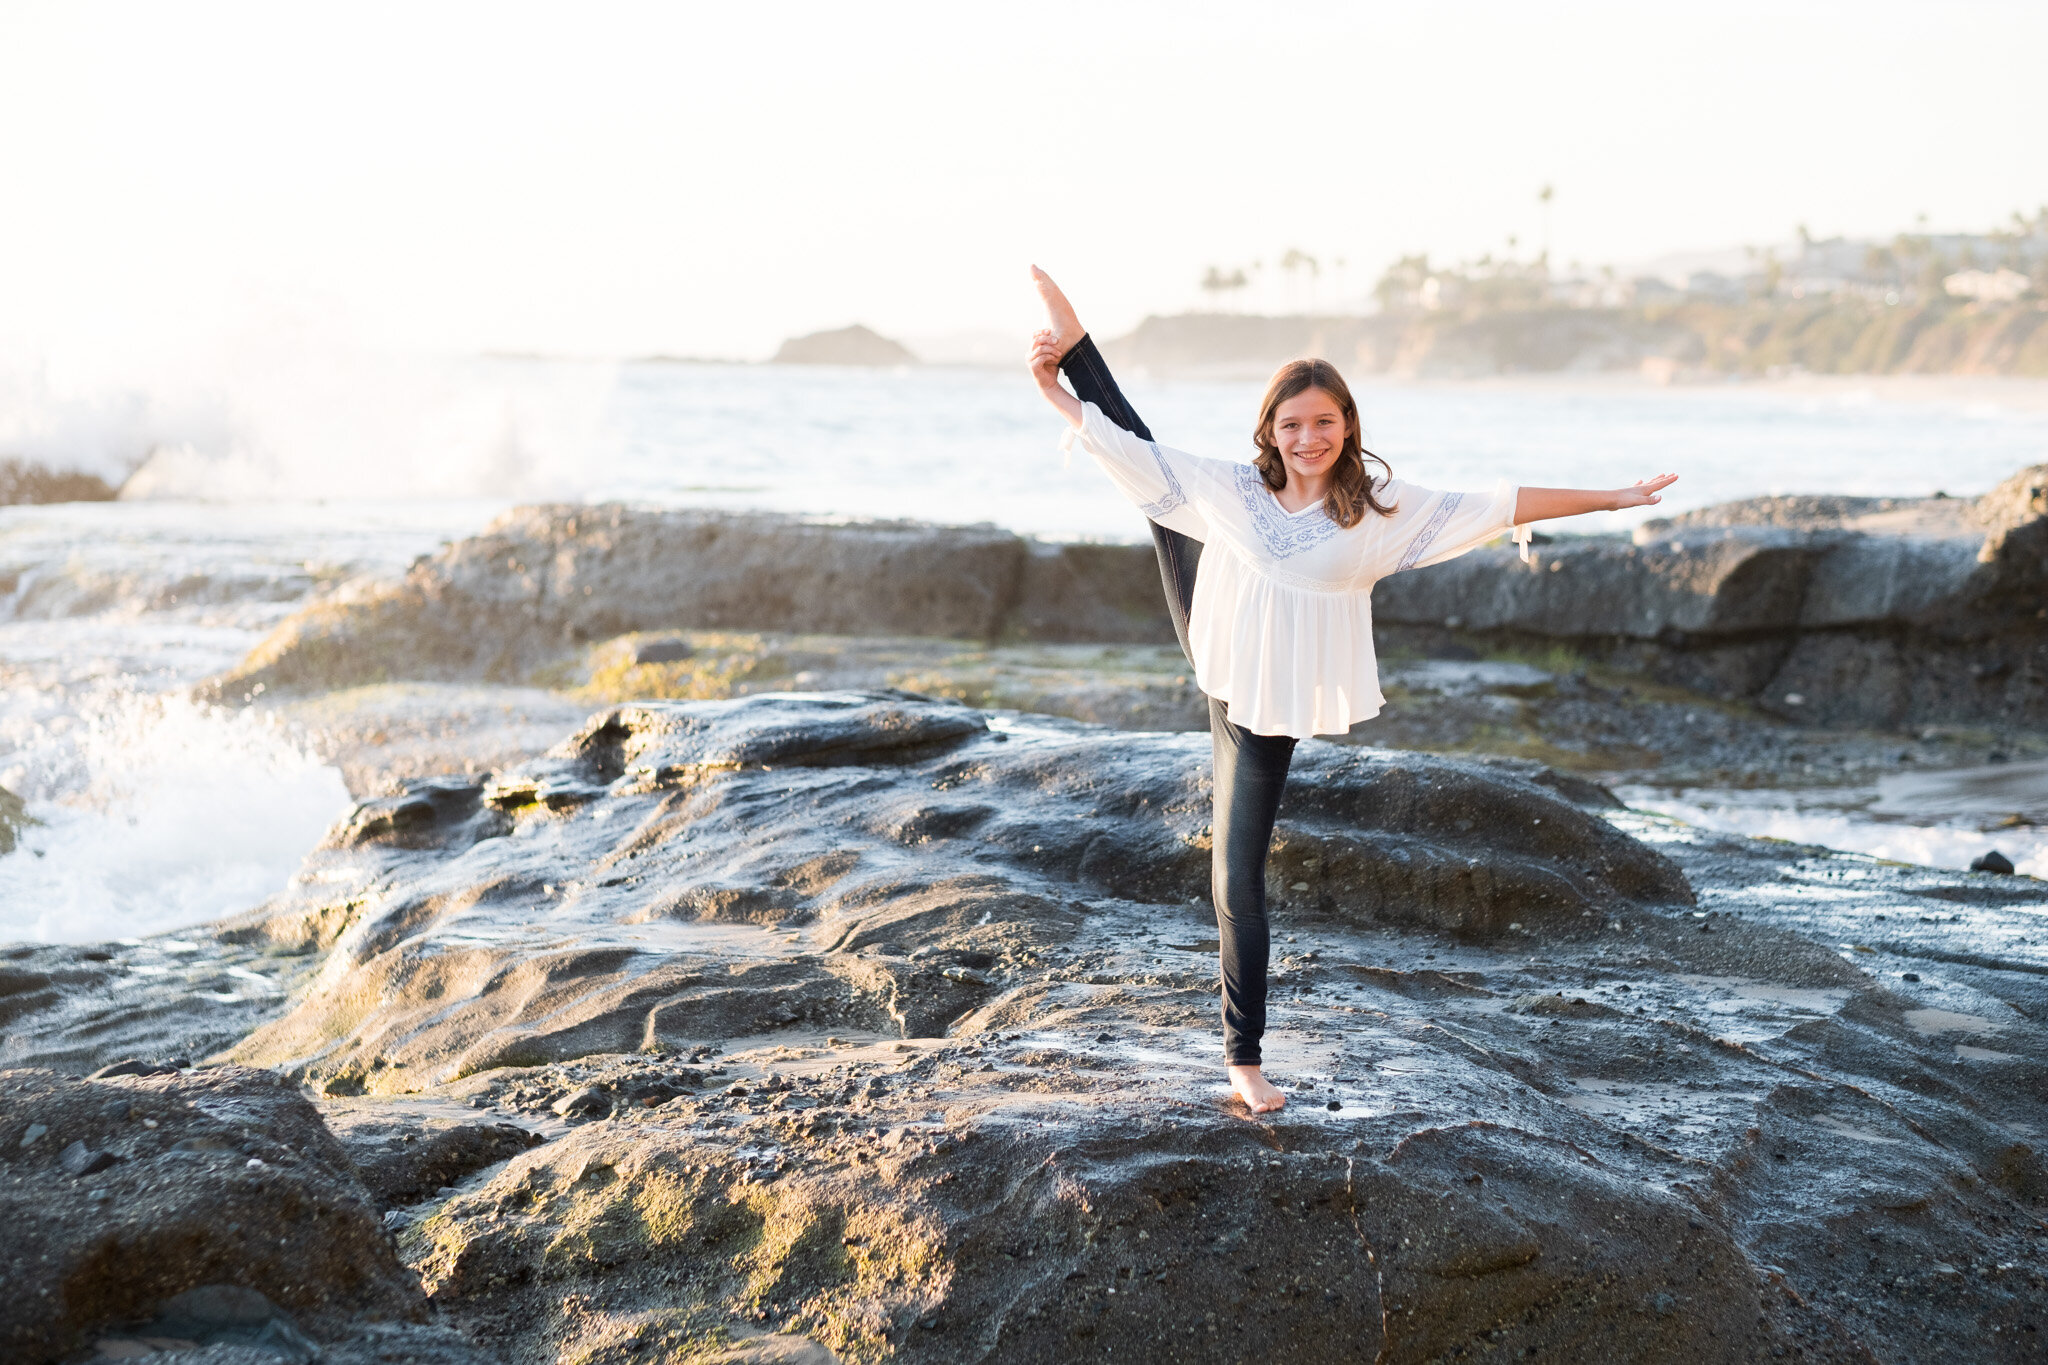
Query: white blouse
(1282, 623)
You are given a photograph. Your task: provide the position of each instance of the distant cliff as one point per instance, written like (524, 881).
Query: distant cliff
(1671, 340)
(855, 345)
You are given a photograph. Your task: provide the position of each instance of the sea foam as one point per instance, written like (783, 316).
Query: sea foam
(1780, 815)
(158, 812)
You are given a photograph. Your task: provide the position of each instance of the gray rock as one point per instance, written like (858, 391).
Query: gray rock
(1833, 611)
(668, 650)
(916, 822)
(587, 1103)
(293, 1226)
(77, 1160)
(132, 1067)
(1535, 1169)
(401, 1163)
(229, 1315)
(544, 579)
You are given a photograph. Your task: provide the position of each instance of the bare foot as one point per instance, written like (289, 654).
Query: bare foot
(1260, 1095)
(1067, 330)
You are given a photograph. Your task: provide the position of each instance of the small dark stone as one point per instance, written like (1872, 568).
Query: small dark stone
(229, 1315)
(1910, 976)
(589, 1102)
(1335, 1105)
(77, 1161)
(665, 651)
(1104, 1038)
(1994, 861)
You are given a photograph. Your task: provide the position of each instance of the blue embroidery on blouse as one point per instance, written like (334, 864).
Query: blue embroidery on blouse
(1430, 531)
(1175, 495)
(1282, 535)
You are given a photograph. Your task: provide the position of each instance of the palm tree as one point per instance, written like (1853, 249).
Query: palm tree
(1215, 282)
(1297, 259)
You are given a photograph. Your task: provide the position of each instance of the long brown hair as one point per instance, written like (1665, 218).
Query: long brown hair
(1352, 489)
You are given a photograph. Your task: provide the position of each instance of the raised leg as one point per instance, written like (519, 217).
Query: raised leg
(1178, 554)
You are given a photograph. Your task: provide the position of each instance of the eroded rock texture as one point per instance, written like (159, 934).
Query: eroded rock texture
(679, 872)
(864, 1026)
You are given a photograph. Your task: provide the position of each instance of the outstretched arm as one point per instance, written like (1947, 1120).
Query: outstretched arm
(1543, 504)
(1045, 369)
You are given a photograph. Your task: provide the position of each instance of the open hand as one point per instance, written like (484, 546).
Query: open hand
(1643, 492)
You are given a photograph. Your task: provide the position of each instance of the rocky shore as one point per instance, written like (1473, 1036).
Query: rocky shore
(1839, 611)
(774, 941)
(858, 1025)
(1868, 612)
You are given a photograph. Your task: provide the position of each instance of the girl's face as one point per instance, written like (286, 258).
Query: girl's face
(1309, 429)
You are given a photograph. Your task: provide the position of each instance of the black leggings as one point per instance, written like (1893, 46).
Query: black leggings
(1251, 770)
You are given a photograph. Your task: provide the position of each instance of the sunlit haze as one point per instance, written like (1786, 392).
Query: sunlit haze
(707, 180)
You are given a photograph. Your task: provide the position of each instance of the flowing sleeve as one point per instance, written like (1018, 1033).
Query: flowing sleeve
(1161, 482)
(1431, 526)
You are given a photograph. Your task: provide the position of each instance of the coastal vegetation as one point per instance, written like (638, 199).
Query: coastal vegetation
(1920, 303)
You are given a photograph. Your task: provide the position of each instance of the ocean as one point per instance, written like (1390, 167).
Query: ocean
(158, 812)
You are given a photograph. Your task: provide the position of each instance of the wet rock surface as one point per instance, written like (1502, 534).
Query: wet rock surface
(863, 1025)
(1833, 611)
(690, 871)
(81, 1007)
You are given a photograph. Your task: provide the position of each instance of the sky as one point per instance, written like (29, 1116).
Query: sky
(699, 179)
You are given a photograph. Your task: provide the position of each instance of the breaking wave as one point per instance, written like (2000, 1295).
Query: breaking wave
(157, 812)
(304, 422)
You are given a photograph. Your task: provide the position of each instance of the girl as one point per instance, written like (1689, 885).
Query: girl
(1274, 606)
